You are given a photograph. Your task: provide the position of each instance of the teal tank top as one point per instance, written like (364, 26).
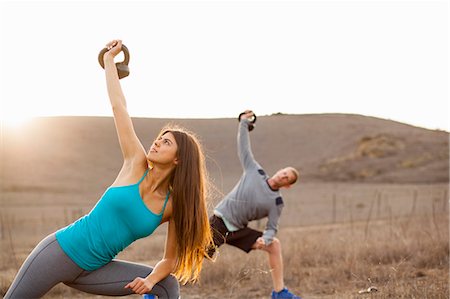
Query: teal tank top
(118, 219)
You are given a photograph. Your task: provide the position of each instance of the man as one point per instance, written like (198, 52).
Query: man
(254, 197)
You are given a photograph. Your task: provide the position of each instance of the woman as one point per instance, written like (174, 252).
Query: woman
(166, 184)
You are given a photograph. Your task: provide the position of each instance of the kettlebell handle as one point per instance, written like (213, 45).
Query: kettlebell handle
(124, 63)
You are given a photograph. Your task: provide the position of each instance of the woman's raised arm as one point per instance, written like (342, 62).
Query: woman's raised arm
(129, 142)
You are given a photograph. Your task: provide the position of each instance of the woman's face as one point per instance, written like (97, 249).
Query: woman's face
(163, 150)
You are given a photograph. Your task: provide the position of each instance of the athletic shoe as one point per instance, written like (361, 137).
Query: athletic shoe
(284, 294)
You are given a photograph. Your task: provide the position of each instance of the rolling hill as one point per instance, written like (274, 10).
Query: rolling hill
(77, 154)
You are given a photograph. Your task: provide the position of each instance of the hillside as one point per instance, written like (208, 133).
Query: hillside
(65, 154)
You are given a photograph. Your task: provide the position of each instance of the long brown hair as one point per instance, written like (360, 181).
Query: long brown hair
(189, 183)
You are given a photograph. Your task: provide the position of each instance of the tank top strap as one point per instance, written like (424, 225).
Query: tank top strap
(165, 202)
(143, 177)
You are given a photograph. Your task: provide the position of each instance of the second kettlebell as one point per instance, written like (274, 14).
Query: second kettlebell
(122, 67)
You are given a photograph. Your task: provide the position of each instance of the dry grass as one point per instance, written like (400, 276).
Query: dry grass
(396, 240)
(404, 258)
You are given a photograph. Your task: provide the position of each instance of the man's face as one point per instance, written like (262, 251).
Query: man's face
(284, 177)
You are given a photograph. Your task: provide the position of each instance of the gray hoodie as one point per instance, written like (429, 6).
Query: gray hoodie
(251, 198)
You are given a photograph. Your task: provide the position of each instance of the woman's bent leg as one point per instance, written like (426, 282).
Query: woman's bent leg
(112, 278)
(45, 267)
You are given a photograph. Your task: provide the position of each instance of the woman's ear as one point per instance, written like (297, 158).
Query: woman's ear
(175, 161)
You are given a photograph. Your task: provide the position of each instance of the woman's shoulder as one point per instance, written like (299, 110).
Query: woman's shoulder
(130, 173)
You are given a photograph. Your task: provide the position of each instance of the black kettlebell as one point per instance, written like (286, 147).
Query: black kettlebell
(252, 120)
(122, 67)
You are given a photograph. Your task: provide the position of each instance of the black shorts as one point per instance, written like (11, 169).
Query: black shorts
(242, 239)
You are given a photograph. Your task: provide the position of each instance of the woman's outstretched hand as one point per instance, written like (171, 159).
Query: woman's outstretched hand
(140, 286)
(114, 47)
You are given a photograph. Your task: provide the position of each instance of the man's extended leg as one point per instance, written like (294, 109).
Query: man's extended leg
(275, 262)
(276, 268)
(249, 239)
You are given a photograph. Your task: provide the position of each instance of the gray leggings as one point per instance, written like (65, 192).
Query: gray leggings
(47, 265)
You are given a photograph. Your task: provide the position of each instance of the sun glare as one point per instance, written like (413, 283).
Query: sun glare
(14, 120)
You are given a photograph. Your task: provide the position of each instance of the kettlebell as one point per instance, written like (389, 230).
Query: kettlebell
(252, 120)
(122, 67)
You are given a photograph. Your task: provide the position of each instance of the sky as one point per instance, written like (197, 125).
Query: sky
(210, 59)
